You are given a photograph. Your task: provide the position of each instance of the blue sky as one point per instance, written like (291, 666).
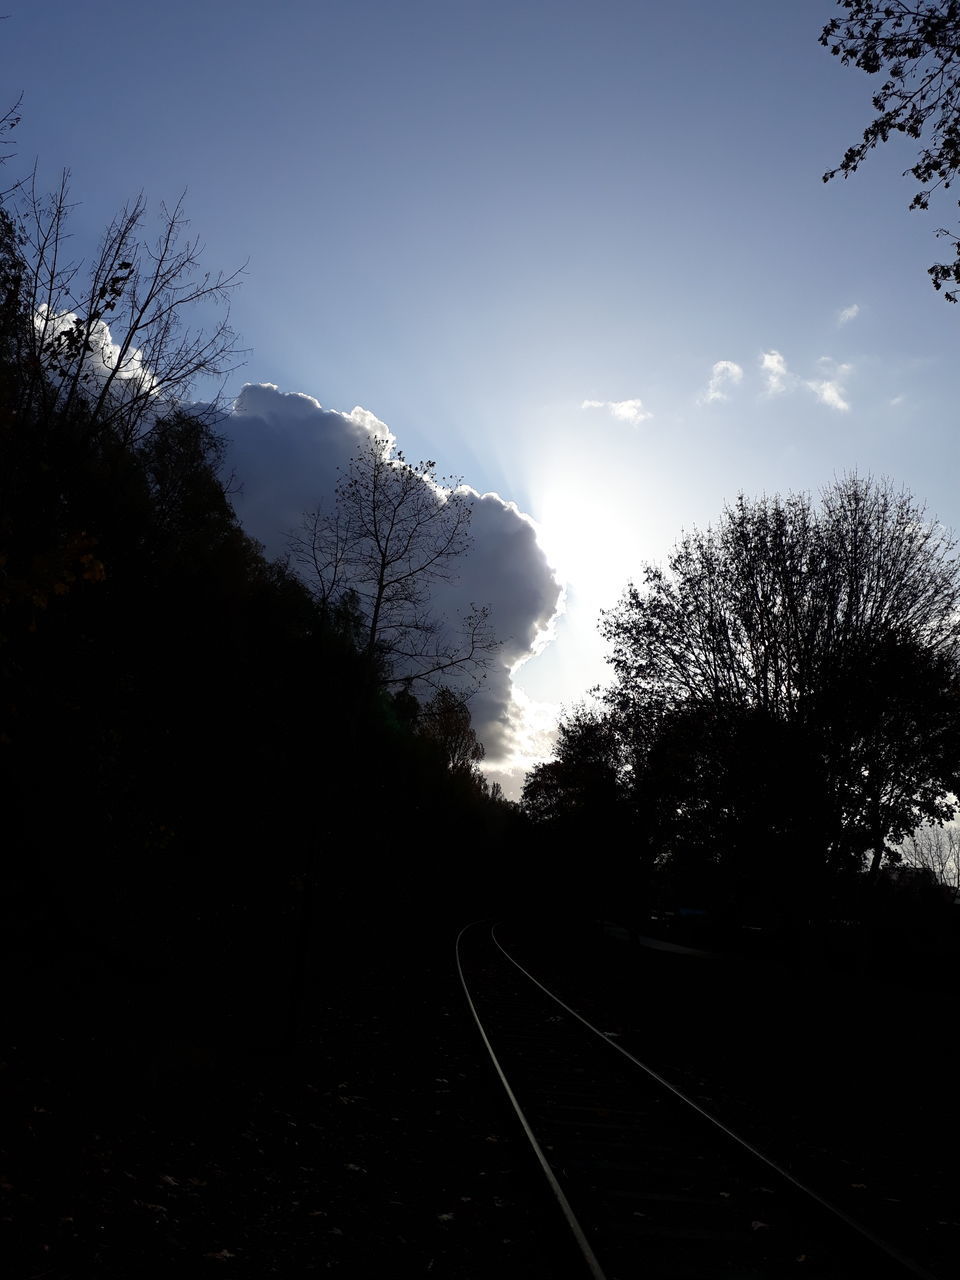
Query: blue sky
(471, 219)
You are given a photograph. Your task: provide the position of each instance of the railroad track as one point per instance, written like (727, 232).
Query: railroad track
(649, 1182)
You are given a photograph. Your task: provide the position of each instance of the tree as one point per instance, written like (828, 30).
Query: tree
(583, 784)
(394, 533)
(79, 397)
(445, 721)
(588, 795)
(166, 696)
(842, 624)
(8, 122)
(935, 850)
(111, 342)
(917, 44)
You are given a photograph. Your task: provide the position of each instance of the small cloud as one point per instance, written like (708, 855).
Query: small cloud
(723, 373)
(827, 387)
(848, 313)
(775, 367)
(897, 400)
(631, 411)
(829, 390)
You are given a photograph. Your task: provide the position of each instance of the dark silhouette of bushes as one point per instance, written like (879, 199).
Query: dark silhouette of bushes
(189, 741)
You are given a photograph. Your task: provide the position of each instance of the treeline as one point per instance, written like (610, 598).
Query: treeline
(200, 759)
(784, 713)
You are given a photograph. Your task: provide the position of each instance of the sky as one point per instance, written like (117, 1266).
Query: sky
(576, 251)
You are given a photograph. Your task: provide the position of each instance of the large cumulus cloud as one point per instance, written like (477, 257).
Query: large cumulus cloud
(284, 452)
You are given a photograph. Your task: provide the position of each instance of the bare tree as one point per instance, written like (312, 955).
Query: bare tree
(8, 122)
(110, 337)
(937, 850)
(394, 534)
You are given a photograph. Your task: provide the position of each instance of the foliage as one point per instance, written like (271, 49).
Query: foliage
(187, 736)
(738, 804)
(755, 611)
(581, 784)
(445, 721)
(395, 532)
(915, 43)
(791, 679)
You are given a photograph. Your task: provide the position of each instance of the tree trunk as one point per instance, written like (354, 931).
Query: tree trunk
(873, 875)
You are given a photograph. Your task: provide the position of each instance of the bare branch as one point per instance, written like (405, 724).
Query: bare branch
(937, 851)
(396, 531)
(112, 341)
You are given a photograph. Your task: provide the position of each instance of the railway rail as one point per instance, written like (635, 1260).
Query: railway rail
(649, 1182)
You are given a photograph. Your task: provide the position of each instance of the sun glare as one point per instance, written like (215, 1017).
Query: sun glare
(588, 542)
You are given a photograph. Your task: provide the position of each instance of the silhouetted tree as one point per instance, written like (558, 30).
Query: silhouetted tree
(935, 850)
(187, 735)
(588, 797)
(739, 811)
(445, 721)
(841, 624)
(112, 339)
(395, 532)
(547, 796)
(583, 783)
(8, 122)
(915, 44)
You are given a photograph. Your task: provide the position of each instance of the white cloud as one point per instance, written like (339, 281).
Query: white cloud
(534, 740)
(284, 450)
(848, 314)
(775, 367)
(724, 373)
(371, 424)
(830, 390)
(631, 411)
(103, 358)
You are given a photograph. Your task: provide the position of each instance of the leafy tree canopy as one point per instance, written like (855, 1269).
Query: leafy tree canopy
(838, 623)
(581, 784)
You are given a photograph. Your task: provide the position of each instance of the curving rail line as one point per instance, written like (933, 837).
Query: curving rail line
(649, 1182)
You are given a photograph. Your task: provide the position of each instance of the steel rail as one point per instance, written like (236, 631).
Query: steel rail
(865, 1232)
(589, 1257)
